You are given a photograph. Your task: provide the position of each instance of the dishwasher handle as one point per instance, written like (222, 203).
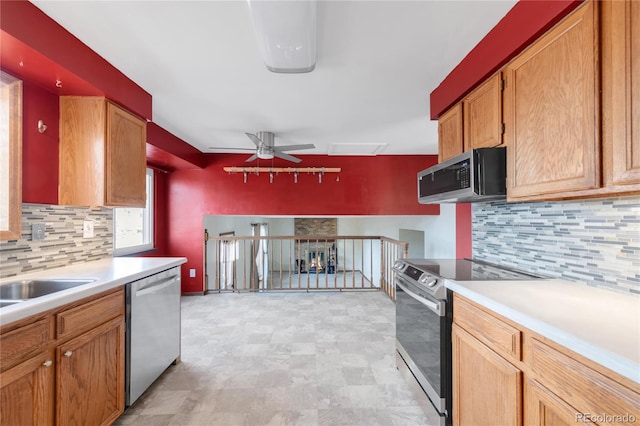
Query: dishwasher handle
(156, 286)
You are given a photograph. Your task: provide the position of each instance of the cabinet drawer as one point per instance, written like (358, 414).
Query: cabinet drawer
(16, 345)
(581, 387)
(492, 331)
(89, 315)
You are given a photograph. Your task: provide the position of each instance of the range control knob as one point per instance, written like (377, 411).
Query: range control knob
(431, 282)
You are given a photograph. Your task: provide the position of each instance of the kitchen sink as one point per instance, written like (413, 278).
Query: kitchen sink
(19, 291)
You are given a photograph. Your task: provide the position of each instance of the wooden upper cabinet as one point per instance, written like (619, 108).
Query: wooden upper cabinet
(621, 92)
(11, 157)
(450, 142)
(482, 109)
(102, 154)
(551, 110)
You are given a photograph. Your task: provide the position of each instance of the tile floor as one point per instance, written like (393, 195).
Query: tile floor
(324, 358)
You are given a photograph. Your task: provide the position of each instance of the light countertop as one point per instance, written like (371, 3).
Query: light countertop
(107, 273)
(600, 324)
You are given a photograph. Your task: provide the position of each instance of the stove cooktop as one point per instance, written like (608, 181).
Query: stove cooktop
(430, 274)
(466, 270)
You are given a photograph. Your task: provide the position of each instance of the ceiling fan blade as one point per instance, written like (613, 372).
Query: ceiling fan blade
(254, 139)
(253, 157)
(286, 157)
(294, 147)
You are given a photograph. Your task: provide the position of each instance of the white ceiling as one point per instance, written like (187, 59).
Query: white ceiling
(377, 62)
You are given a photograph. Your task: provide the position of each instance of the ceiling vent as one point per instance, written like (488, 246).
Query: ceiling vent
(356, 148)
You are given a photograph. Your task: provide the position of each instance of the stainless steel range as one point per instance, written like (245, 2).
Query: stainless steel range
(424, 315)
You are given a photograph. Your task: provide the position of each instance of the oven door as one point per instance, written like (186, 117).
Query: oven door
(423, 339)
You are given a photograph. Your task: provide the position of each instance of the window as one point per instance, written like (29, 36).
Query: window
(133, 227)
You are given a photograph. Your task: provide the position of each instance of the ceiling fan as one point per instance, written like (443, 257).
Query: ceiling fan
(266, 148)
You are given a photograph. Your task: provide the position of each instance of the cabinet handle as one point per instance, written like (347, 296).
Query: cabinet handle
(47, 363)
(68, 353)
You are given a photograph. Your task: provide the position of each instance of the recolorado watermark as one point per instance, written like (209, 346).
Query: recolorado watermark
(605, 418)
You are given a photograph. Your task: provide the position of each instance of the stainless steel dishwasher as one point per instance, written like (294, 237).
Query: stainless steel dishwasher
(153, 329)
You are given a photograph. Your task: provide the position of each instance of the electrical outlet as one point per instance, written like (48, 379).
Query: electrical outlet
(38, 231)
(192, 273)
(87, 229)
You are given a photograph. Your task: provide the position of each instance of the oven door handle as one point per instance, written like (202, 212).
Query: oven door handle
(433, 306)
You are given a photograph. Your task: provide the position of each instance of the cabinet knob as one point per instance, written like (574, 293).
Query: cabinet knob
(68, 353)
(47, 363)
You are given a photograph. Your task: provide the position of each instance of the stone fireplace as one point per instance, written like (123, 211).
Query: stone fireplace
(318, 253)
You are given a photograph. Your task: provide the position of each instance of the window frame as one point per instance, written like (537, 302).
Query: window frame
(148, 222)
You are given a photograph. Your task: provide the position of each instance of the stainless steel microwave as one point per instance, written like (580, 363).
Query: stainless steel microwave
(475, 176)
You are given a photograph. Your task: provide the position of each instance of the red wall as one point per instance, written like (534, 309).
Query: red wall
(39, 150)
(160, 225)
(463, 231)
(376, 185)
(185, 194)
(381, 185)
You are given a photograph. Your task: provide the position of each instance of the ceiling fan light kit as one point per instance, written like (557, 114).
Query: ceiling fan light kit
(286, 34)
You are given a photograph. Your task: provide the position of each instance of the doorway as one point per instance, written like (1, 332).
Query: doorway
(415, 240)
(228, 256)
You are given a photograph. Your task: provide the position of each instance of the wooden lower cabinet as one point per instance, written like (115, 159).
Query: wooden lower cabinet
(543, 383)
(543, 408)
(486, 388)
(26, 392)
(66, 372)
(90, 369)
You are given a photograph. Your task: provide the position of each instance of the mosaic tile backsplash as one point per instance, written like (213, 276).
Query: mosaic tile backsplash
(63, 244)
(596, 242)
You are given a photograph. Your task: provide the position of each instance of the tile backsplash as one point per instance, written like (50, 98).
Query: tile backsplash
(596, 242)
(63, 244)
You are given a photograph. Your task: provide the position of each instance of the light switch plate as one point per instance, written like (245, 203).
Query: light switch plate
(87, 229)
(38, 231)
(192, 273)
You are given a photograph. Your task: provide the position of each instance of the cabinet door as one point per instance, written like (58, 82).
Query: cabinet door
(27, 392)
(90, 376)
(621, 92)
(125, 158)
(82, 133)
(543, 408)
(551, 110)
(487, 390)
(483, 115)
(450, 141)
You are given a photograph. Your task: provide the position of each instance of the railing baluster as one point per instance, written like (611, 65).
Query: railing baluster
(353, 263)
(330, 253)
(280, 264)
(383, 283)
(362, 263)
